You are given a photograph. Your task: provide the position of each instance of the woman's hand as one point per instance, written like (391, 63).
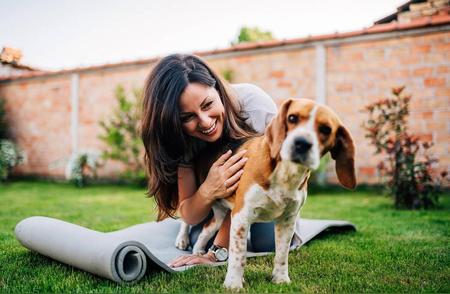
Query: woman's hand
(223, 176)
(192, 259)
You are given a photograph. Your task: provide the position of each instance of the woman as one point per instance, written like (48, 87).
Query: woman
(187, 107)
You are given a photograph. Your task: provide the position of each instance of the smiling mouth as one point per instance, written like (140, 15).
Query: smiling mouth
(210, 130)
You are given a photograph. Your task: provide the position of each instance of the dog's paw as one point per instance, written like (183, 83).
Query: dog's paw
(182, 242)
(233, 284)
(198, 251)
(281, 278)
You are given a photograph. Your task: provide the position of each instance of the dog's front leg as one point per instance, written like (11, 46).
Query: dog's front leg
(284, 230)
(182, 240)
(209, 229)
(238, 249)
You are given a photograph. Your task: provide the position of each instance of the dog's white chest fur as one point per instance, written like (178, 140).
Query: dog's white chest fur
(283, 199)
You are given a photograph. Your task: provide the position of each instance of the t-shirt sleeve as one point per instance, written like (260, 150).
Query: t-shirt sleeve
(258, 105)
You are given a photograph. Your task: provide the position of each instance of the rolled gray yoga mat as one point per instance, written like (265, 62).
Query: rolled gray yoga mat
(126, 255)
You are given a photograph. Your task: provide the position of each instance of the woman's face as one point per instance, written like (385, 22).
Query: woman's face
(201, 112)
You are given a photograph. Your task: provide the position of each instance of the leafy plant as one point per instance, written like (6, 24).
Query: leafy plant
(408, 168)
(228, 75)
(81, 167)
(121, 135)
(10, 154)
(249, 34)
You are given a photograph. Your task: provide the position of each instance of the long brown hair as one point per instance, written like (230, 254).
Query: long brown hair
(164, 140)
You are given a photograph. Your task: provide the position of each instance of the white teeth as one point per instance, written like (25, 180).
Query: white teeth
(206, 132)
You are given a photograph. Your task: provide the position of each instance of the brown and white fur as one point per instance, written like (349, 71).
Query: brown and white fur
(273, 186)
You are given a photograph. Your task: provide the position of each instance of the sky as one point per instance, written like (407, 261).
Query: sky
(60, 34)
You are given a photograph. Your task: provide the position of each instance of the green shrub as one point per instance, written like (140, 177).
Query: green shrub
(407, 167)
(122, 138)
(228, 74)
(10, 154)
(252, 34)
(82, 167)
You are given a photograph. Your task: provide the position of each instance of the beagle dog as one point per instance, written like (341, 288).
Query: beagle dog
(273, 186)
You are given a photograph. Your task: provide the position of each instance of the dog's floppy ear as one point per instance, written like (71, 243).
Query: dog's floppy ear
(276, 130)
(343, 152)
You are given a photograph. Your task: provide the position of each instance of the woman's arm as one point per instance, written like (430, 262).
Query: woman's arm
(194, 204)
(222, 180)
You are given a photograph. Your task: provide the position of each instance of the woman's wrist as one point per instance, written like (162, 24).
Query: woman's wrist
(211, 256)
(205, 194)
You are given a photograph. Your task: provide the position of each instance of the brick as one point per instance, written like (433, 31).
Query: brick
(436, 125)
(443, 47)
(356, 56)
(443, 69)
(344, 87)
(277, 74)
(421, 48)
(443, 92)
(400, 73)
(425, 137)
(434, 82)
(427, 115)
(284, 84)
(423, 71)
(243, 59)
(368, 170)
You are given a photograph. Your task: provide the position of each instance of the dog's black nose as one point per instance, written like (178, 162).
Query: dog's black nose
(302, 145)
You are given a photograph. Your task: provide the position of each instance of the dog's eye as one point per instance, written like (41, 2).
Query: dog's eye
(292, 119)
(326, 130)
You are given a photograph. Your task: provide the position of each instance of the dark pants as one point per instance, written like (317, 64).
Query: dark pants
(262, 236)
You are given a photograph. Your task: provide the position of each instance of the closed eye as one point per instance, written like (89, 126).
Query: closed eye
(187, 118)
(207, 105)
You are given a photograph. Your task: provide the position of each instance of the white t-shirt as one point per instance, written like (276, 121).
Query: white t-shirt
(257, 104)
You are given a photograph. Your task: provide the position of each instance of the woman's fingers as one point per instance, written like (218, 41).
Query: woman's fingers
(179, 260)
(189, 260)
(234, 179)
(222, 159)
(198, 260)
(183, 260)
(233, 159)
(236, 167)
(233, 188)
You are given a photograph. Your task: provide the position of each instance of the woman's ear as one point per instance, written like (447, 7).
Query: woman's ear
(343, 152)
(276, 130)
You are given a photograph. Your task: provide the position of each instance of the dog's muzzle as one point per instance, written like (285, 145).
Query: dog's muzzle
(300, 150)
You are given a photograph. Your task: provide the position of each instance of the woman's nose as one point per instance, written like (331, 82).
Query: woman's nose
(204, 121)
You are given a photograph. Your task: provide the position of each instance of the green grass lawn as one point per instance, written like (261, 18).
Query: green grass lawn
(392, 251)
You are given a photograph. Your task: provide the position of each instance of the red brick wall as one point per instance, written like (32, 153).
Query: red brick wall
(357, 73)
(39, 115)
(97, 99)
(281, 74)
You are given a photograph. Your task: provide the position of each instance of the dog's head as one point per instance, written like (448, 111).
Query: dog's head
(304, 131)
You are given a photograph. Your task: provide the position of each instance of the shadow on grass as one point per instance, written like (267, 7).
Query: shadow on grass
(335, 189)
(332, 232)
